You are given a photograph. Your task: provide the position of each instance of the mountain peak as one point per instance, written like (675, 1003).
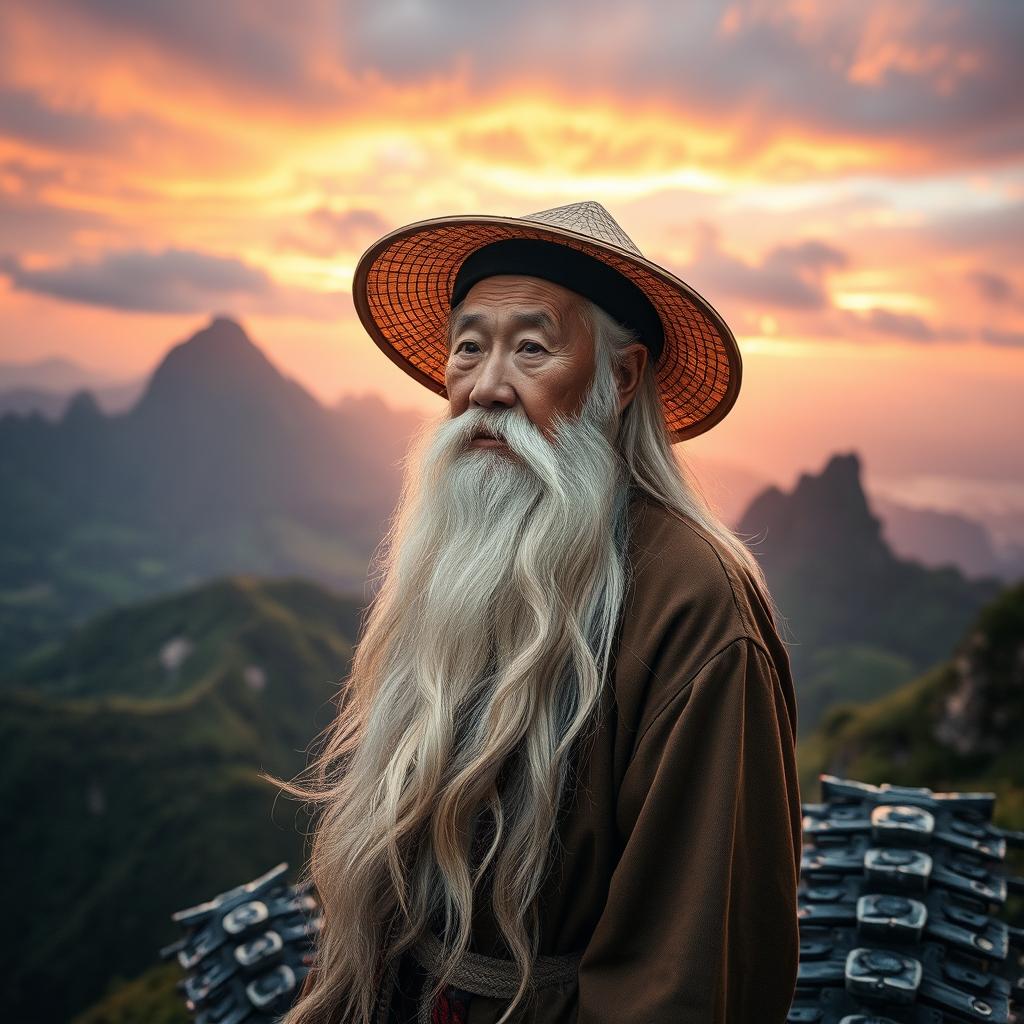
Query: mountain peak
(82, 408)
(837, 485)
(224, 326)
(219, 360)
(843, 468)
(222, 335)
(826, 511)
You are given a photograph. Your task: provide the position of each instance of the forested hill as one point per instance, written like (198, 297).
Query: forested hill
(957, 726)
(130, 774)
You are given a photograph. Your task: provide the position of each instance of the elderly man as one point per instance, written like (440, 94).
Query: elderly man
(561, 785)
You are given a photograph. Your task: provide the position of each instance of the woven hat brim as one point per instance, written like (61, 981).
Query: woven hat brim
(403, 284)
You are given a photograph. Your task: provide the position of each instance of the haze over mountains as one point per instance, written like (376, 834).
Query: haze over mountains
(224, 464)
(51, 373)
(939, 538)
(48, 386)
(987, 542)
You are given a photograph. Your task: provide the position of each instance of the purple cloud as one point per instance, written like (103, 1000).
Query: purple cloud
(171, 281)
(329, 230)
(1008, 339)
(789, 276)
(990, 286)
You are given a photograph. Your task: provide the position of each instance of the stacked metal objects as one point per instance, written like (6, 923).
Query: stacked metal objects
(246, 952)
(903, 905)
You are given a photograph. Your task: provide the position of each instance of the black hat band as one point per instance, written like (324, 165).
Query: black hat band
(619, 297)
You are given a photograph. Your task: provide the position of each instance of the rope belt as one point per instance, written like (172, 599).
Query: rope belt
(493, 977)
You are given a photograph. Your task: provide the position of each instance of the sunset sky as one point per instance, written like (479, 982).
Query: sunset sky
(843, 181)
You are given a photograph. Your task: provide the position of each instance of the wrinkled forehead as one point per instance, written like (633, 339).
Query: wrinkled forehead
(517, 300)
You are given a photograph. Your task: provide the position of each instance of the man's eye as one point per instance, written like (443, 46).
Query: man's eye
(462, 345)
(537, 347)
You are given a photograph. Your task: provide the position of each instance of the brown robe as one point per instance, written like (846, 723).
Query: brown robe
(680, 843)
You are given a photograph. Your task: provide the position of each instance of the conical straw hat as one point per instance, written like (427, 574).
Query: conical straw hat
(403, 287)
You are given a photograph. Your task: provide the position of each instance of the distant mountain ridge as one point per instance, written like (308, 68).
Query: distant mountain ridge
(51, 373)
(223, 465)
(863, 620)
(49, 387)
(46, 387)
(939, 538)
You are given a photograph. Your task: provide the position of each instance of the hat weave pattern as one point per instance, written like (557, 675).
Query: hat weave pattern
(403, 284)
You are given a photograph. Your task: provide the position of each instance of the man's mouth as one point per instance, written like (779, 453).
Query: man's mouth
(484, 437)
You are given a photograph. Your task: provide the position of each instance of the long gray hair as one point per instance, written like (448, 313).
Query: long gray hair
(479, 672)
(657, 469)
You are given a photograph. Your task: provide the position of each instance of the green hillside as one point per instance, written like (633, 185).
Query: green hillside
(957, 726)
(861, 621)
(151, 998)
(127, 805)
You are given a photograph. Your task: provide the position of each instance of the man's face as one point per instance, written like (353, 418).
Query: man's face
(519, 343)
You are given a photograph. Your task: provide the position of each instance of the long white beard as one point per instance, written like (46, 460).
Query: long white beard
(482, 662)
(497, 553)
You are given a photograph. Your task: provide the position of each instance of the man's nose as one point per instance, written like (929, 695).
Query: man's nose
(492, 387)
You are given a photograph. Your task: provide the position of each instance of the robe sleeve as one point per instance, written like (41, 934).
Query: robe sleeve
(700, 924)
